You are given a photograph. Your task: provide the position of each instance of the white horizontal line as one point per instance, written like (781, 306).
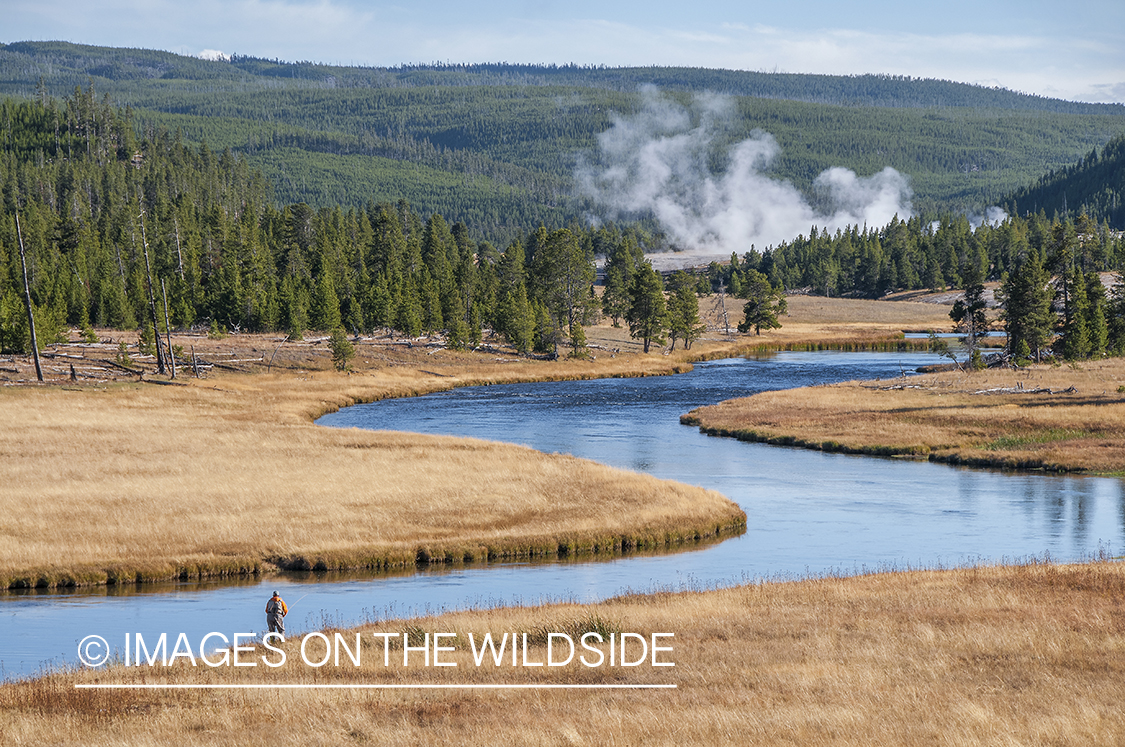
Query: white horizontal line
(298, 686)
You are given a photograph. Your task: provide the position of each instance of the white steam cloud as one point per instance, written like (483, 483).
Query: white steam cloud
(659, 160)
(993, 216)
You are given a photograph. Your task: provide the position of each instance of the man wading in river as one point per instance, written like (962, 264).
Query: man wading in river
(276, 610)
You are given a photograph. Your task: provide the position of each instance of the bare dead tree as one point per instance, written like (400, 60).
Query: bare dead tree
(27, 303)
(168, 329)
(723, 304)
(160, 367)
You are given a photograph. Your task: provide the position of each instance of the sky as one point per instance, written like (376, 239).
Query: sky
(1072, 50)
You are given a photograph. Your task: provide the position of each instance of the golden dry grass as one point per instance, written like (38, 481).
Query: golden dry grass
(1006, 655)
(834, 322)
(228, 475)
(1026, 655)
(950, 416)
(108, 482)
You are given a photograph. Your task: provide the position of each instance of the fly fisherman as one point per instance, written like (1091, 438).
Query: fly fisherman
(276, 610)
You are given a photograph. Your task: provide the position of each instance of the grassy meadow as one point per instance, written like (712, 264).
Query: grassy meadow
(994, 655)
(107, 477)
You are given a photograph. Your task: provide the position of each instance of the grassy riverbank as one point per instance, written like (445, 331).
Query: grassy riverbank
(108, 479)
(1058, 418)
(1008, 655)
(228, 475)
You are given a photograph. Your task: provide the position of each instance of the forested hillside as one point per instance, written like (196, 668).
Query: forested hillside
(114, 221)
(112, 224)
(1094, 186)
(68, 65)
(495, 146)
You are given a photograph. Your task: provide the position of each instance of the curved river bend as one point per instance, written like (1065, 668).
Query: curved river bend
(808, 512)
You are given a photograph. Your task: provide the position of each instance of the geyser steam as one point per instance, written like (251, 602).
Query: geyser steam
(658, 161)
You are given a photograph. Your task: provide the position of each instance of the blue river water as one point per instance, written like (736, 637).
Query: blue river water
(808, 512)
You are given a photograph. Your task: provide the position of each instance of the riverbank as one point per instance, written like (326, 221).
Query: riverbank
(228, 476)
(115, 481)
(1054, 418)
(1029, 654)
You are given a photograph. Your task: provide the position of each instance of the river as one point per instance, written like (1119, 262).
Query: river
(808, 512)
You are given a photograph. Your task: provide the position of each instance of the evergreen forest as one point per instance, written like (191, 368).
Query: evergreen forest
(1095, 186)
(495, 147)
(114, 216)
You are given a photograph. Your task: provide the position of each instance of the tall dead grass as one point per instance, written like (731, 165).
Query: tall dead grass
(229, 476)
(995, 655)
(106, 483)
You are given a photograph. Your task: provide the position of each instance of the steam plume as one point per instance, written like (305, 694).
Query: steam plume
(658, 160)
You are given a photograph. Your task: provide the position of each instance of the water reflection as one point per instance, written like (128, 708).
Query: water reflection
(806, 509)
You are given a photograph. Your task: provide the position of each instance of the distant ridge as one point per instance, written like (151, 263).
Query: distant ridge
(65, 65)
(496, 145)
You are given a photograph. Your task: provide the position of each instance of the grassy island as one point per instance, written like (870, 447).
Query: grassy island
(1056, 418)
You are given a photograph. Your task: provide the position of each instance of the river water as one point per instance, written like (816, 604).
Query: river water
(807, 512)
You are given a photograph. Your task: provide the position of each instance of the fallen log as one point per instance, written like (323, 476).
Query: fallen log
(115, 364)
(1021, 390)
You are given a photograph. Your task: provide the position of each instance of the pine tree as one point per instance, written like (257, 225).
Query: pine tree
(1073, 342)
(517, 319)
(969, 312)
(648, 313)
(409, 307)
(564, 273)
(615, 298)
(342, 349)
(457, 330)
(1096, 315)
(683, 311)
(381, 303)
(764, 304)
(294, 303)
(1025, 308)
(326, 304)
(431, 303)
(622, 259)
(547, 332)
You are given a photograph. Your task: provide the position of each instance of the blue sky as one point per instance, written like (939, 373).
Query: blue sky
(1068, 50)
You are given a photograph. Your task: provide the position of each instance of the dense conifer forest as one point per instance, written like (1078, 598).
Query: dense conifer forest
(495, 146)
(1095, 186)
(117, 213)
